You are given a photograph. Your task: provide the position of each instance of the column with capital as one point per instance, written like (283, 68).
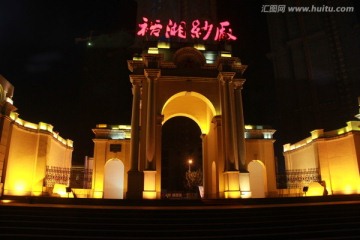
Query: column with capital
(225, 79)
(151, 75)
(149, 192)
(135, 177)
(239, 127)
(231, 173)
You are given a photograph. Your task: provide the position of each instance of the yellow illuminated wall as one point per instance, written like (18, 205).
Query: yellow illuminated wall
(335, 154)
(104, 152)
(338, 162)
(30, 152)
(27, 150)
(263, 150)
(304, 158)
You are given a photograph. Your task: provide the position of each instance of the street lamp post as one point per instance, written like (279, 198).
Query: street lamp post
(190, 161)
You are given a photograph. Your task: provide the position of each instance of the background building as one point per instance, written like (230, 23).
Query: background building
(315, 63)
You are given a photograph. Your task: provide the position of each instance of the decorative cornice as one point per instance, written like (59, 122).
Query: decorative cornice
(238, 83)
(226, 77)
(134, 64)
(152, 60)
(152, 73)
(230, 64)
(137, 79)
(217, 120)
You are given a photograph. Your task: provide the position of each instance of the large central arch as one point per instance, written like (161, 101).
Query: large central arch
(210, 94)
(192, 105)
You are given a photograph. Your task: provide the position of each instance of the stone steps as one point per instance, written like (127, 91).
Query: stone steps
(303, 221)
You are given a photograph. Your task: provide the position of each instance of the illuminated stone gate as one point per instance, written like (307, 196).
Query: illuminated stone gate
(209, 94)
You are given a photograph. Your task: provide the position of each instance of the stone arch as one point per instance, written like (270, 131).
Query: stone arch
(192, 105)
(258, 182)
(114, 179)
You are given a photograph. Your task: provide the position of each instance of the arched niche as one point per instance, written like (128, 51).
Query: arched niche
(258, 182)
(114, 179)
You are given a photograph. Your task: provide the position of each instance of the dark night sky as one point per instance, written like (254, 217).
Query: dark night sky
(63, 82)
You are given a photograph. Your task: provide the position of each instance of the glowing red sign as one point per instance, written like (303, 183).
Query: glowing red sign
(199, 30)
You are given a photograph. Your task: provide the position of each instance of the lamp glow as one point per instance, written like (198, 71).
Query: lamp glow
(190, 161)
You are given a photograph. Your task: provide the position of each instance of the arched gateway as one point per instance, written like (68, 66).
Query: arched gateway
(184, 83)
(210, 94)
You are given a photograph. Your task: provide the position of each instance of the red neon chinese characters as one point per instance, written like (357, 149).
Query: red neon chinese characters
(143, 27)
(172, 29)
(199, 30)
(196, 31)
(154, 28)
(224, 32)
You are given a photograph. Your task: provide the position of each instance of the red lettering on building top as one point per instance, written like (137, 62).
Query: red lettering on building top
(202, 30)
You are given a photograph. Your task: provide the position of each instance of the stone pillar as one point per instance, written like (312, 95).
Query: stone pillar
(220, 161)
(149, 191)
(225, 79)
(231, 173)
(151, 75)
(135, 177)
(135, 119)
(152, 178)
(206, 165)
(239, 127)
(159, 121)
(150, 167)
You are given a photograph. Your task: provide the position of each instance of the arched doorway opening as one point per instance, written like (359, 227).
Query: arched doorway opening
(258, 182)
(114, 179)
(181, 142)
(197, 110)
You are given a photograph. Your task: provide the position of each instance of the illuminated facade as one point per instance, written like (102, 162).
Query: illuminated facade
(182, 69)
(330, 159)
(205, 88)
(112, 153)
(34, 159)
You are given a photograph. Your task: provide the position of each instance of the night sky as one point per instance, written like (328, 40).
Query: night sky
(59, 80)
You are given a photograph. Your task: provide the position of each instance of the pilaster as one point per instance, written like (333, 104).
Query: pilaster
(135, 177)
(151, 75)
(239, 126)
(220, 160)
(225, 80)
